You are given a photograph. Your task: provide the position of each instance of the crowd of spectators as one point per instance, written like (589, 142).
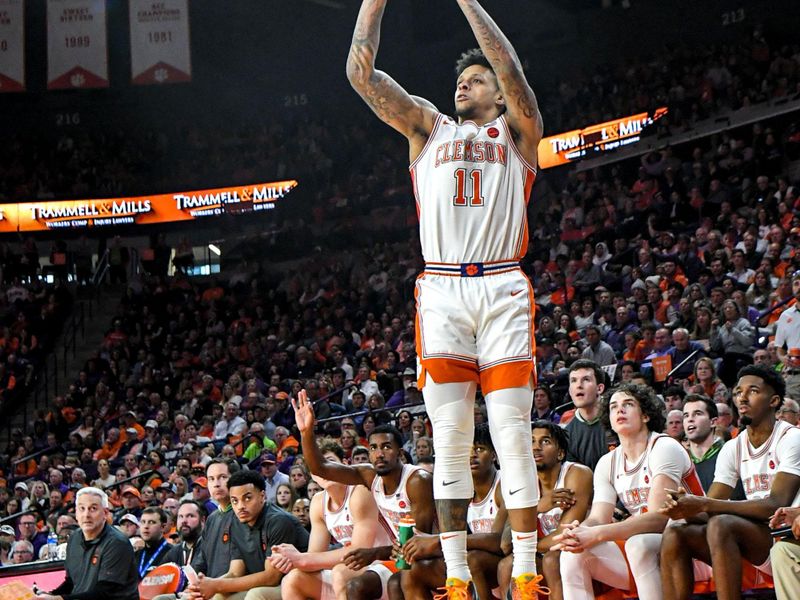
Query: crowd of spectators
(695, 83)
(662, 272)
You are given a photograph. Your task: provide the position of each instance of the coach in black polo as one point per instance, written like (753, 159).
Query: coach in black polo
(257, 528)
(99, 560)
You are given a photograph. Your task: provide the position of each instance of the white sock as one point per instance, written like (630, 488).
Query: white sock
(454, 549)
(524, 547)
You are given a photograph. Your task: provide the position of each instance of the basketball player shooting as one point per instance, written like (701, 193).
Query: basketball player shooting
(472, 177)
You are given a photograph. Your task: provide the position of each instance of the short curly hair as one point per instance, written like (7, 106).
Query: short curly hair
(472, 57)
(650, 405)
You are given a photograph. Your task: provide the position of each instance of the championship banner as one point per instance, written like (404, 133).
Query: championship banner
(142, 210)
(12, 46)
(77, 54)
(160, 48)
(574, 145)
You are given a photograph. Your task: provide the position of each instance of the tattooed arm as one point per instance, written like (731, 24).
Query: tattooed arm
(413, 117)
(522, 110)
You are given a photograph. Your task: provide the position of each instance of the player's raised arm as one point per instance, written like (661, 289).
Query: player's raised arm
(522, 110)
(384, 95)
(304, 417)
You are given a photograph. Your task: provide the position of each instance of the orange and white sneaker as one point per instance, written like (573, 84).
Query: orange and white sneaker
(456, 589)
(526, 587)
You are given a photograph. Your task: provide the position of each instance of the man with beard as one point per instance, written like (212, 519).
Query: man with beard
(765, 456)
(191, 518)
(399, 491)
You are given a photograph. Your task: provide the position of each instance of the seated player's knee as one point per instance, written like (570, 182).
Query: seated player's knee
(643, 551)
(394, 587)
(721, 528)
(340, 575)
(291, 579)
(357, 588)
(571, 562)
(673, 540)
(551, 565)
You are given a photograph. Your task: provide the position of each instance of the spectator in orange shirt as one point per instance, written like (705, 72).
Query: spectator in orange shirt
(656, 300)
(110, 449)
(128, 420)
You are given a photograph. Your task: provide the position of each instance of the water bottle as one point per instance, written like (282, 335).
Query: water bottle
(407, 525)
(52, 546)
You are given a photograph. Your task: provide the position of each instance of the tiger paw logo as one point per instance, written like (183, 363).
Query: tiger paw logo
(472, 270)
(77, 80)
(94, 560)
(161, 75)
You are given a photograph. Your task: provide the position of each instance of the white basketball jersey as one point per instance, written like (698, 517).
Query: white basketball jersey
(393, 507)
(340, 522)
(632, 482)
(758, 466)
(481, 515)
(472, 187)
(551, 519)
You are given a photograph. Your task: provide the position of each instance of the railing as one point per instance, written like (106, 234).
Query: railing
(101, 269)
(46, 380)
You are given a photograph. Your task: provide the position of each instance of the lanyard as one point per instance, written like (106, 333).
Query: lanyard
(188, 561)
(145, 568)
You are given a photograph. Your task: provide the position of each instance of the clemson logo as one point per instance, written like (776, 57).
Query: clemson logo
(94, 560)
(225, 538)
(493, 132)
(472, 270)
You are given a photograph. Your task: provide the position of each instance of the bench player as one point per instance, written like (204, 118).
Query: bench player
(637, 473)
(399, 491)
(472, 177)
(765, 457)
(486, 517)
(343, 514)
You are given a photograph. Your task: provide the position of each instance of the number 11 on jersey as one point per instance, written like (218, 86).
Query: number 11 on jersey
(476, 195)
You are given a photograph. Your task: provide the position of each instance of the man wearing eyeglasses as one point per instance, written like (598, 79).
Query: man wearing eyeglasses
(21, 552)
(29, 533)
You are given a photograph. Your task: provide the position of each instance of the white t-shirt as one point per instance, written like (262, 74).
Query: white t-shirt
(757, 467)
(788, 329)
(615, 478)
